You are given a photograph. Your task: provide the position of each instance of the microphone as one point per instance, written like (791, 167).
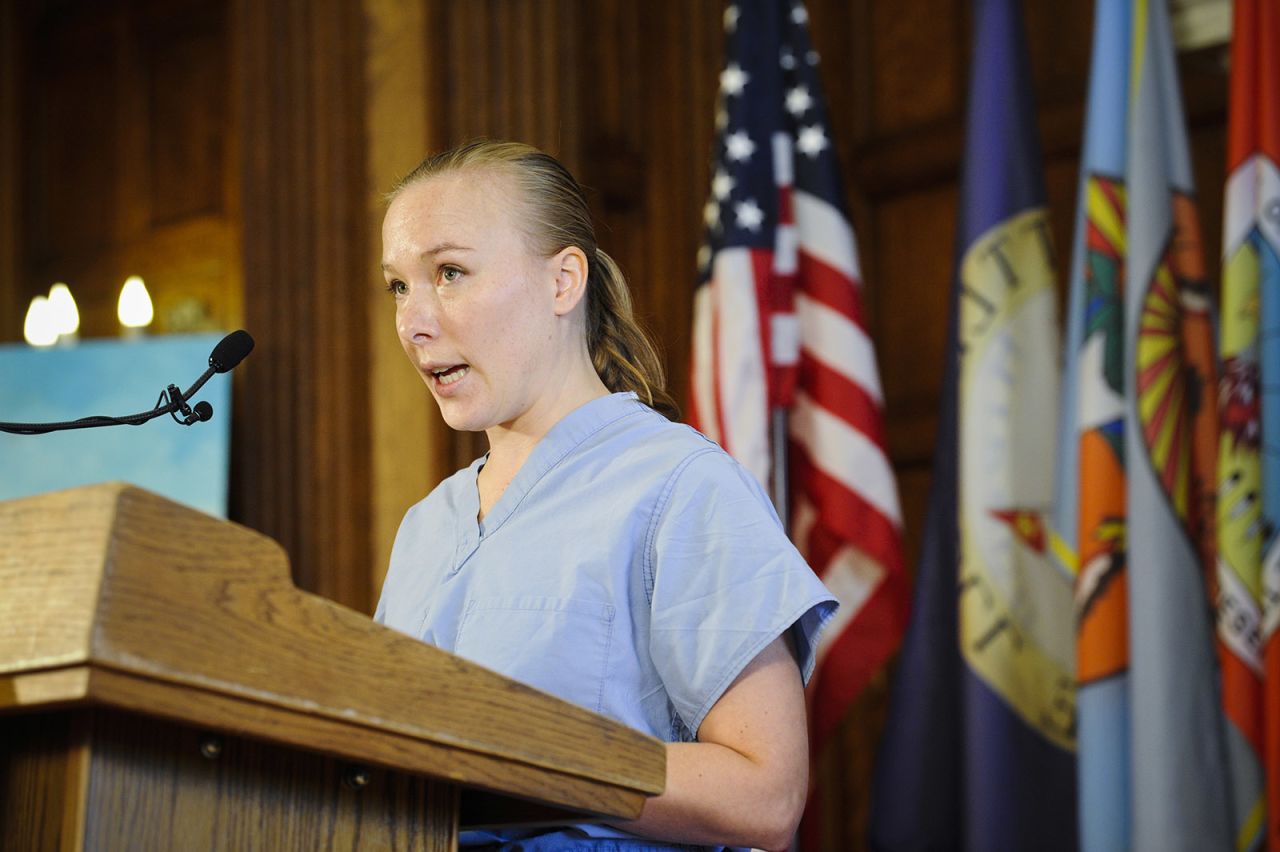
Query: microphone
(229, 352)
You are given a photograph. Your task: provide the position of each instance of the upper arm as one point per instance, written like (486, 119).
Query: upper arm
(762, 717)
(725, 584)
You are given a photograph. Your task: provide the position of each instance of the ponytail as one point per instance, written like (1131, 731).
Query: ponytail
(622, 353)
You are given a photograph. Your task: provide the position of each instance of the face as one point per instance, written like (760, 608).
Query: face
(478, 313)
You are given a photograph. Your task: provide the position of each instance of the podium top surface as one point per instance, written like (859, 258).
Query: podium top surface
(112, 595)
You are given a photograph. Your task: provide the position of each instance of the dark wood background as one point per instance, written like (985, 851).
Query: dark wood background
(234, 153)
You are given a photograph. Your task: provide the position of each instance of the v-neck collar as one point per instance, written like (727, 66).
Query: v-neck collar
(562, 439)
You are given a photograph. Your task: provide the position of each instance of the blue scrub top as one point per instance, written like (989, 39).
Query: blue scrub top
(631, 567)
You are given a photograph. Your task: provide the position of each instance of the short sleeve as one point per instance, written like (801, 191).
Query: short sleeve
(725, 582)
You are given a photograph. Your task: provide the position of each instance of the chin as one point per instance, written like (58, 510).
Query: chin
(461, 418)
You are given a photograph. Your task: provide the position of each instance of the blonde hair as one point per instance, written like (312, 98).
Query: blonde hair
(556, 216)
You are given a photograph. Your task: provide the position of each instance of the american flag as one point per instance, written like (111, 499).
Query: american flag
(779, 325)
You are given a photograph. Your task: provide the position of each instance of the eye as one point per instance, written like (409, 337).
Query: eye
(449, 274)
(397, 287)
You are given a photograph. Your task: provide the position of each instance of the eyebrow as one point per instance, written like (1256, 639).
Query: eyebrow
(439, 248)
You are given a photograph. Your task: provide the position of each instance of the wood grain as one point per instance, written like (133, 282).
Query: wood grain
(105, 780)
(152, 788)
(13, 305)
(301, 472)
(196, 620)
(44, 774)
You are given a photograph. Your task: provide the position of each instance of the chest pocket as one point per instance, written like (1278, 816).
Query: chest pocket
(560, 646)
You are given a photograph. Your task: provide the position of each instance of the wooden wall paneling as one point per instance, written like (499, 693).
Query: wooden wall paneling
(918, 56)
(680, 65)
(552, 41)
(1059, 39)
(503, 41)
(126, 117)
(132, 213)
(915, 235)
(186, 58)
(402, 102)
(302, 473)
(74, 88)
(517, 31)
(72, 194)
(183, 233)
(616, 61)
(468, 65)
(13, 292)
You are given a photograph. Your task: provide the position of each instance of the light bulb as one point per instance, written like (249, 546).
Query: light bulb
(134, 308)
(64, 311)
(40, 327)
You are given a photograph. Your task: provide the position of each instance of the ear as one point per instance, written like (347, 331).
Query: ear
(571, 270)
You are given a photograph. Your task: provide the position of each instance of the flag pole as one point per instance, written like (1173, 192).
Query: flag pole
(780, 482)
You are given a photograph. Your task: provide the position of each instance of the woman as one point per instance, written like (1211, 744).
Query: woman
(599, 551)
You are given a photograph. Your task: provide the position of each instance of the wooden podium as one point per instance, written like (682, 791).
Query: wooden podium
(163, 685)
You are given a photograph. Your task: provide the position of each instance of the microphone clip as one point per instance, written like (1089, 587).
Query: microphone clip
(177, 404)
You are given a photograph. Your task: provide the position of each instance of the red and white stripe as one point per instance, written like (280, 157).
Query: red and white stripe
(844, 501)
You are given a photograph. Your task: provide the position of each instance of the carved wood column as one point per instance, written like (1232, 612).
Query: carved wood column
(11, 306)
(301, 471)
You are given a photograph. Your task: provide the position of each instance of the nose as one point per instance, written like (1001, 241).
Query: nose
(418, 316)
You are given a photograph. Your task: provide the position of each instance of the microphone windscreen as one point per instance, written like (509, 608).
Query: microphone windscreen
(230, 351)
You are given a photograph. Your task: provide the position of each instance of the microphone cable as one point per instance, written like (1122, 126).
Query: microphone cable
(229, 352)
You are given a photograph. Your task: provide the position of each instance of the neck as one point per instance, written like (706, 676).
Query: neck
(511, 443)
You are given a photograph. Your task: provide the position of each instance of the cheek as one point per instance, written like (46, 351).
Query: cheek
(492, 323)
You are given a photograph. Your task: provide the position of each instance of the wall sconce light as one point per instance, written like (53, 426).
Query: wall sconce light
(66, 316)
(41, 325)
(134, 309)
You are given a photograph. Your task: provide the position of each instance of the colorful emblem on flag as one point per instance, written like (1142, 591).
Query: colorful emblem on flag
(1101, 590)
(1177, 376)
(1248, 474)
(1015, 604)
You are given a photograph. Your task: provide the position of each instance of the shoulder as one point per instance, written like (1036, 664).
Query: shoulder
(662, 446)
(643, 446)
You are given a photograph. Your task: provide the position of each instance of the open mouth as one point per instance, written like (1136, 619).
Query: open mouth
(449, 375)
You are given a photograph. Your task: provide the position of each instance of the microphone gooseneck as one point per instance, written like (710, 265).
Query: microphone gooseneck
(229, 352)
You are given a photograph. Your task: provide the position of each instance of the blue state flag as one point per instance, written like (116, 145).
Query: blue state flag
(979, 750)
